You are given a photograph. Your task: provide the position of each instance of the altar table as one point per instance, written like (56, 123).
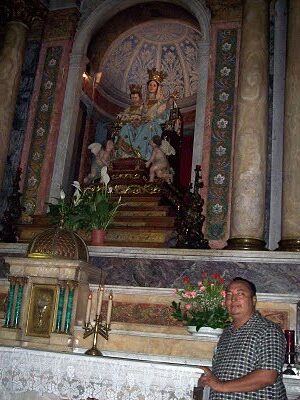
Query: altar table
(33, 374)
(43, 375)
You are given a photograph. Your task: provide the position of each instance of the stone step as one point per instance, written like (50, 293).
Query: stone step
(140, 222)
(27, 232)
(142, 212)
(139, 200)
(138, 197)
(117, 236)
(138, 234)
(140, 203)
(145, 221)
(134, 244)
(131, 236)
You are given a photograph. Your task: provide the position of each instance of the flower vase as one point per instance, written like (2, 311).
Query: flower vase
(98, 236)
(205, 331)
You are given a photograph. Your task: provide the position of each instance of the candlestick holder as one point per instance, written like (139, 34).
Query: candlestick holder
(98, 328)
(290, 351)
(290, 360)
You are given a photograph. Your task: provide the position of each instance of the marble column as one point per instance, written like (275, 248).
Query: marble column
(249, 166)
(21, 13)
(290, 225)
(11, 60)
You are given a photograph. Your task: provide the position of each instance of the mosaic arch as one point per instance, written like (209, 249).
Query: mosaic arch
(170, 46)
(101, 14)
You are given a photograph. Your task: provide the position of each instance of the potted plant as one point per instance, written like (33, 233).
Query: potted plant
(92, 208)
(202, 304)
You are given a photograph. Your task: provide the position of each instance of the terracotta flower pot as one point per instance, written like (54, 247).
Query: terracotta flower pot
(98, 236)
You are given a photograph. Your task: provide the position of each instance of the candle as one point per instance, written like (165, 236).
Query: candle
(98, 76)
(290, 346)
(100, 299)
(109, 308)
(88, 309)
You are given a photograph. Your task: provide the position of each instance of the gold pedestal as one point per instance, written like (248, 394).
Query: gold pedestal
(289, 245)
(245, 244)
(93, 352)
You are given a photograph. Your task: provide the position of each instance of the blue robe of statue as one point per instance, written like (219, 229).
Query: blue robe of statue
(154, 114)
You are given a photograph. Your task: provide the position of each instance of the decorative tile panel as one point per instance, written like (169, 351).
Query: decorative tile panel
(41, 128)
(222, 129)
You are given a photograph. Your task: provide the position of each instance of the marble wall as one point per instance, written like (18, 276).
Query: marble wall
(269, 275)
(272, 272)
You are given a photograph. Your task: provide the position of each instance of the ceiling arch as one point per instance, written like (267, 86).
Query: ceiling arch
(107, 9)
(169, 45)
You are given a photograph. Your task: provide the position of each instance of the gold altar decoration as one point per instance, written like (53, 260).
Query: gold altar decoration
(58, 243)
(42, 307)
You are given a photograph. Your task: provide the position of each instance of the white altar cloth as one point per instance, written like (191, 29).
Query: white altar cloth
(50, 375)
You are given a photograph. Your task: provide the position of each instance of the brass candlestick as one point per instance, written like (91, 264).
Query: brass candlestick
(99, 328)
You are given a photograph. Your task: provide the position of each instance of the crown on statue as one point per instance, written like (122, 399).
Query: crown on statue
(157, 76)
(135, 88)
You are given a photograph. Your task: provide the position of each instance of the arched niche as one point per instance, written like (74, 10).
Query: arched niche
(78, 61)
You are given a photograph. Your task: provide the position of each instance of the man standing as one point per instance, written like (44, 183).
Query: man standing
(250, 354)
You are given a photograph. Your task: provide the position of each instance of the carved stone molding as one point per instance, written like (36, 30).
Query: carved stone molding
(61, 24)
(25, 11)
(225, 9)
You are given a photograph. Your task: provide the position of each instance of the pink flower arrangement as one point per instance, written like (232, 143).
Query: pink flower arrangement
(202, 304)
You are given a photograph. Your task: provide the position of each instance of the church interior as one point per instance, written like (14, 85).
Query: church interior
(204, 166)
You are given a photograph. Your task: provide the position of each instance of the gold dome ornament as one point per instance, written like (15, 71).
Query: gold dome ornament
(59, 243)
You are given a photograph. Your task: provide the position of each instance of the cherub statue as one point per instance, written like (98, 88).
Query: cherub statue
(158, 162)
(103, 155)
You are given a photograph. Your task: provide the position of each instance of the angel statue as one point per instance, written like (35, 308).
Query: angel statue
(158, 162)
(102, 157)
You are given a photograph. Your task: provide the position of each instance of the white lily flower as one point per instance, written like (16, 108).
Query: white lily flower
(76, 197)
(62, 194)
(76, 185)
(104, 176)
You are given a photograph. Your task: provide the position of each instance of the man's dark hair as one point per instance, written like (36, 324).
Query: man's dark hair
(250, 284)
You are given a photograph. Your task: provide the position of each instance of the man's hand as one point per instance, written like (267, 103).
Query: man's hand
(208, 379)
(251, 382)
